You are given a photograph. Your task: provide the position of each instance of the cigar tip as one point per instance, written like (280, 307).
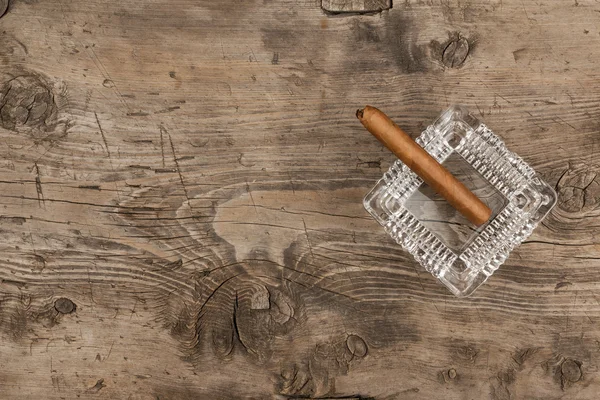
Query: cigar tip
(359, 113)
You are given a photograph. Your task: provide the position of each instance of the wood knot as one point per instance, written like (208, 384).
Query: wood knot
(357, 346)
(447, 376)
(570, 371)
(64, 306)
(578, 189)
(455, 52)
(27, 101)
(285, 309)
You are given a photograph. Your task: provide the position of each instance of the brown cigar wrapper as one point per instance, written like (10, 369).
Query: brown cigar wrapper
(425, 166)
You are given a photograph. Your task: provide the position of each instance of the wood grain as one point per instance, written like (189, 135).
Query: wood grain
(181, 194)
(3, 7)
(356, 6)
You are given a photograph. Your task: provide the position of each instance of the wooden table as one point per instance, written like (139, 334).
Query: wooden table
(181, 187)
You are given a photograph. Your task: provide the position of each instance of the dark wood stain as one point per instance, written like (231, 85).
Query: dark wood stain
(401, 39)
(365, 32)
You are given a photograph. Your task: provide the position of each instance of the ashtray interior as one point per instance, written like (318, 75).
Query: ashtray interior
(437, 215)
(462, 256)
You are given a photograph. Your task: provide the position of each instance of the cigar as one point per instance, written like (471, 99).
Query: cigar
(424, 165)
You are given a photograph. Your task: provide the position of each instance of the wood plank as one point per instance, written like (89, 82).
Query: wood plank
(189, 175)
(359, 6)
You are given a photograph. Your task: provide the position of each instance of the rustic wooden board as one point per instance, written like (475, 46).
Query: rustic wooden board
(362, 6)
(181, 195)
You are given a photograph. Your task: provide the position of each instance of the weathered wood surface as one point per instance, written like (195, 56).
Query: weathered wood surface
(181, 201)
(340, 6)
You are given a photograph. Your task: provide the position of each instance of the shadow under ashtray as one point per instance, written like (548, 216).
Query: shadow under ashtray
(440, 218)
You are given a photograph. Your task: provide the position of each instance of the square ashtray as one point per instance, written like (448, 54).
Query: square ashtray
(460, 254)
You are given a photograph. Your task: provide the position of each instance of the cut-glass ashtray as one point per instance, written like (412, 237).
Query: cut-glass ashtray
(460, 254)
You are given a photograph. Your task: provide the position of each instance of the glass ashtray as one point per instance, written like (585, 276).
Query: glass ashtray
(460, 254)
